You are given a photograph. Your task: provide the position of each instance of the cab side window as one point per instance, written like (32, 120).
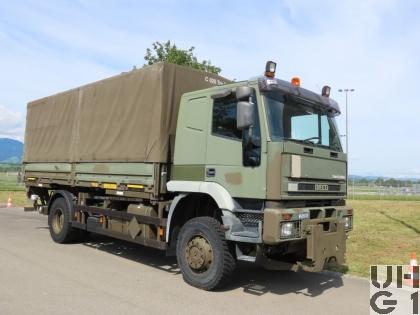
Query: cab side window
(224, 118)
(224, 125)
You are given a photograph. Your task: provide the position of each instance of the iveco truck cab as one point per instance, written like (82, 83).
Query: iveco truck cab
(269, 152)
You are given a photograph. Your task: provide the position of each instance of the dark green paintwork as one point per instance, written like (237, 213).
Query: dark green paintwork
(188, 172)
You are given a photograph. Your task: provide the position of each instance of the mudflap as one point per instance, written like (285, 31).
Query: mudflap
(322, 246)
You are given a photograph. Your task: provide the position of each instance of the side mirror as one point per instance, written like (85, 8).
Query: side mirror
(245, 115)
(243, 92)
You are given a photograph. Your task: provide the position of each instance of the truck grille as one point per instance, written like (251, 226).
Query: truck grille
(250, 219)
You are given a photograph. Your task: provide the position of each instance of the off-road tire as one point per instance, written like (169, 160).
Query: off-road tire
(67, 233)
(223, 259)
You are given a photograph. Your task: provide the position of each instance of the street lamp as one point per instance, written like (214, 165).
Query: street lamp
(347, 118)
(347, 134)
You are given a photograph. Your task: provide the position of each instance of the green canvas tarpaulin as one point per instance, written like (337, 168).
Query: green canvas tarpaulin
(127, 118)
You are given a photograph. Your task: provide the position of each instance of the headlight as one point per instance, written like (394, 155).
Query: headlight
(286, 229)
(348, 224)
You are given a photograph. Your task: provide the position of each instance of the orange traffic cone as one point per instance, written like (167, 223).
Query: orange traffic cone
(9, 202)
(413, 279)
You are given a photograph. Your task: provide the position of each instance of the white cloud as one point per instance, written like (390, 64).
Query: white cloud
(12, 124)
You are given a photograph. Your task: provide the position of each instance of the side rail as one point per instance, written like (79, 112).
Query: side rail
(122, 218)
(119, 224)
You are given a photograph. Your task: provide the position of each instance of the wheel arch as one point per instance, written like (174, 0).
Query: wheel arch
(190, 205)
(68, 197)
(180, 209)
(219, 194)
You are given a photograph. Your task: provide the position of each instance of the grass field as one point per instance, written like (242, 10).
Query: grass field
(385, 231)
(9, 182)
(18, 198)
(9, 187)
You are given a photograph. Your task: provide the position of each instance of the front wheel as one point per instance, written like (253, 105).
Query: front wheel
(204, 255)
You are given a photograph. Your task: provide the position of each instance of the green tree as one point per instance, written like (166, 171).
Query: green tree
(379, 181)
(171, 53)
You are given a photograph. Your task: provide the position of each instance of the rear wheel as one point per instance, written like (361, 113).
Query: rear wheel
(204, 255)
(60, 224)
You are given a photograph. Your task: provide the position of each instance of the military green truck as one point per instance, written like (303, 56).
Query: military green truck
(209, 170)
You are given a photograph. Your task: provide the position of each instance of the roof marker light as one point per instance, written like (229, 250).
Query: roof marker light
(295, 81)
(326, 90)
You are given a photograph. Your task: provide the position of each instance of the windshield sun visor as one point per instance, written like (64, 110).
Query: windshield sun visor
(326, 103)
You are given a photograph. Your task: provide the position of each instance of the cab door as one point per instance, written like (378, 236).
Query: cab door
(236, 159)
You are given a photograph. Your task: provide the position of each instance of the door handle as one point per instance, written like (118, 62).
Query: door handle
(210, 172)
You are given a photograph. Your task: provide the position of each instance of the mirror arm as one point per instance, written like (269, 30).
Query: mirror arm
(250, 131)
(249, 143)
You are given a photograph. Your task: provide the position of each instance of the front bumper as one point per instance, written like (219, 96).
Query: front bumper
(325, 216)
(324, 232)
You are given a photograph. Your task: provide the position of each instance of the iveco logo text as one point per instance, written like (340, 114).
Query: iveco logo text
(321, 187)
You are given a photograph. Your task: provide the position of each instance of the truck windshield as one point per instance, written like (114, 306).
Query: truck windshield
(293, 119)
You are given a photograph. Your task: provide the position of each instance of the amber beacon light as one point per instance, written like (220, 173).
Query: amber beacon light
(295, 81)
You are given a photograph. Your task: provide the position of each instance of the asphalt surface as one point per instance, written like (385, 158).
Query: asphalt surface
(105, 276)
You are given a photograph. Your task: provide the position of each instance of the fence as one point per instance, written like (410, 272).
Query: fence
(383, 192)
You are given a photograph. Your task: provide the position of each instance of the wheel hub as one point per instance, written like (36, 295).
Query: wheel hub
(199, 254)
(58, 221)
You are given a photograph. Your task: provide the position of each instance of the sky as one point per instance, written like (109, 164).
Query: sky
(371, 46)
